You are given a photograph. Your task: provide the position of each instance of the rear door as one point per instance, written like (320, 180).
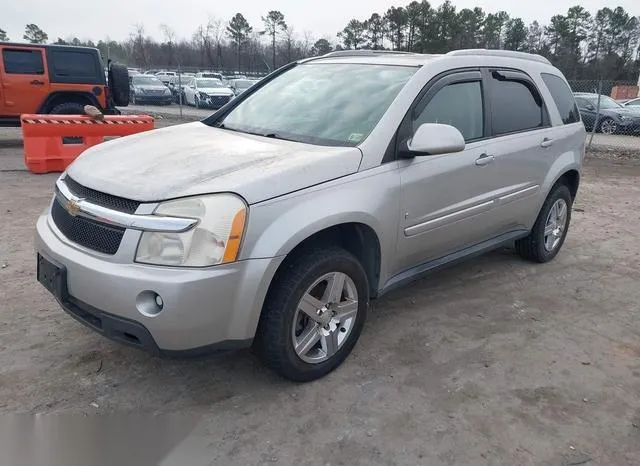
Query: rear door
(523, 145)
(25, 84)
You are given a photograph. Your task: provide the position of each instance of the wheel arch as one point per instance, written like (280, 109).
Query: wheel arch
(60, 97)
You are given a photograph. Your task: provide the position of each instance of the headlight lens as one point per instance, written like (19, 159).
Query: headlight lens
(214, 240)
(624, 118)
(203, 95)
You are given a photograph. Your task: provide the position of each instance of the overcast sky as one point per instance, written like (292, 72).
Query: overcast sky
(116, 18)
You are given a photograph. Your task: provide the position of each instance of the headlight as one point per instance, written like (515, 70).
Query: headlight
(214, 240)
(625, 118)
(167, 91)
(203, 95)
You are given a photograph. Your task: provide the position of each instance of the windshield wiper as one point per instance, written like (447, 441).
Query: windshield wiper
(277, 136)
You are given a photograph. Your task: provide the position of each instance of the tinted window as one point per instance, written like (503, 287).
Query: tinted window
(634, 103)
(582, 103)
(23, 61)
(563, 98)
(73, 64)
(514, 107)
(458, 105)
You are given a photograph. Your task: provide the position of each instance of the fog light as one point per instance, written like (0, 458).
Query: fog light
(149, 303)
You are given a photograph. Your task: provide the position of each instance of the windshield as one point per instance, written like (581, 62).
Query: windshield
(606, 103)
(142, 80)
(321, 103)
(208, 83)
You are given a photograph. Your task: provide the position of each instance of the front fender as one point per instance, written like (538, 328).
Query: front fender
(276, 227)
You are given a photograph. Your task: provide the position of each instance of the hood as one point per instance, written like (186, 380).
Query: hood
(215, 91)
(194, 158)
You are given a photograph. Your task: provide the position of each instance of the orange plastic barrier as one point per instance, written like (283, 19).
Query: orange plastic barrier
(47, 146)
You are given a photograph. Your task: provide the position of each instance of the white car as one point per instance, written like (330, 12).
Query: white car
(207, 74)
(207, 93)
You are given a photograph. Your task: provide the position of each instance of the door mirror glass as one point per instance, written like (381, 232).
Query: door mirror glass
(434, 139)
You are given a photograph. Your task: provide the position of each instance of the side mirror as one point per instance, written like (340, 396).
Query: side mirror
(435, 139)
(591, 108)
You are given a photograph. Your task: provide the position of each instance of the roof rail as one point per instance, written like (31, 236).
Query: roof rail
(365, 53)
(500, 53)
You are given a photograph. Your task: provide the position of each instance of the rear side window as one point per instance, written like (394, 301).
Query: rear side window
(563, 98)
(70, 63)
(458, 105)
(22, 61)
(515, 106)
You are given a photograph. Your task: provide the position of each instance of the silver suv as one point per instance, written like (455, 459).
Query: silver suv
(273, 222)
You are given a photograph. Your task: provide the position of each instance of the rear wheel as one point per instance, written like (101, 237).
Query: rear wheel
(313, 315)
(68, 108)
(550, 230)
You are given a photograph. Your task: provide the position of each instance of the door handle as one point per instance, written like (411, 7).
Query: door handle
(484, 159)
(546, 142)
(35, 82)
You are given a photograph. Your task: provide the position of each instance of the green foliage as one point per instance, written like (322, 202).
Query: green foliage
(3, 35)
(34, 34)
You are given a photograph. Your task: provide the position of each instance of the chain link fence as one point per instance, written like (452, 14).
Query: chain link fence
(610, 111)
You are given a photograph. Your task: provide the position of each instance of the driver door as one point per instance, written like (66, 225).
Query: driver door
(447, 200)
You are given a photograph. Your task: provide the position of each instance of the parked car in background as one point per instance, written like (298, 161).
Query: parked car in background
(275, 222)
(149, 89)
(207, 93)
(207, 74)
(165, 76)
(134, 71)
(238, 86)
(613, 118)
(57, 79)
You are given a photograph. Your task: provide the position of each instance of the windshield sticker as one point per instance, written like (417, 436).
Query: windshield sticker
(356, 137)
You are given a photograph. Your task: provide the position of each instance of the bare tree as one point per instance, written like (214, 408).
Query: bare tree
(170, 40)
(139, 45)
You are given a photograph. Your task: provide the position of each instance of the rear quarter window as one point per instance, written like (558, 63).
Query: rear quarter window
(562, 97)
(71, 66)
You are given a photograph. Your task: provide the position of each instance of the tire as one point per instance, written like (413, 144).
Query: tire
(608, 126)
(119, 84)
(282, 318)
(535, 247)
(68, 108)
(132, 99)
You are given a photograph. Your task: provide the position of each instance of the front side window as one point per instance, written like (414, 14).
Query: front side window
(562, 97)
(515, 106)
(606, 103)
(22, 61)
(321, 103)
(634, 103)
(458, 105)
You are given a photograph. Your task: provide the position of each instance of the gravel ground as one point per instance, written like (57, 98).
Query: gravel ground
(494, 362)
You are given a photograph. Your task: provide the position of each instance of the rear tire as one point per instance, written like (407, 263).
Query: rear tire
(282, 317)
(68, 108)
(547, 237)
(119, 86)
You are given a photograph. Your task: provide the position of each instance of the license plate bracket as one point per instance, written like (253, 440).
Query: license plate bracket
(53, 277)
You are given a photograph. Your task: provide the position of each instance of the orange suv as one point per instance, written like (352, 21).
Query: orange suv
(57, 79)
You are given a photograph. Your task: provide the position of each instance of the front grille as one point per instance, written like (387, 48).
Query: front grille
(219, 99)
(105, 200)
(85, 232)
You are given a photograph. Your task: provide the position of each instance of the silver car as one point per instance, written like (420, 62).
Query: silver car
(275, 221)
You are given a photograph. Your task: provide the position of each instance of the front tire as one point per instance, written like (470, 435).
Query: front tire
(550, 230)
(608, 126)
(313, 314)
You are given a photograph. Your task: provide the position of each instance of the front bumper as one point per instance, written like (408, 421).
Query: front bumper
(208, 308)
(215, 102)
(154, 99)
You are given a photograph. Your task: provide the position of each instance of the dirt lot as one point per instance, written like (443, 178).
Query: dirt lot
(495, 362)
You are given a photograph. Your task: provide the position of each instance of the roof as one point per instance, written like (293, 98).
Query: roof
(40, 46)
(392, 57)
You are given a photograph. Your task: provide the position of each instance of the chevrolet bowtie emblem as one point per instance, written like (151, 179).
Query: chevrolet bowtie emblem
(72, 207)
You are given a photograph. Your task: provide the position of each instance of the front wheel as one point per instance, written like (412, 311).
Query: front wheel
(608, 126)
(550, 230)
(313, 314)
(196, 101)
